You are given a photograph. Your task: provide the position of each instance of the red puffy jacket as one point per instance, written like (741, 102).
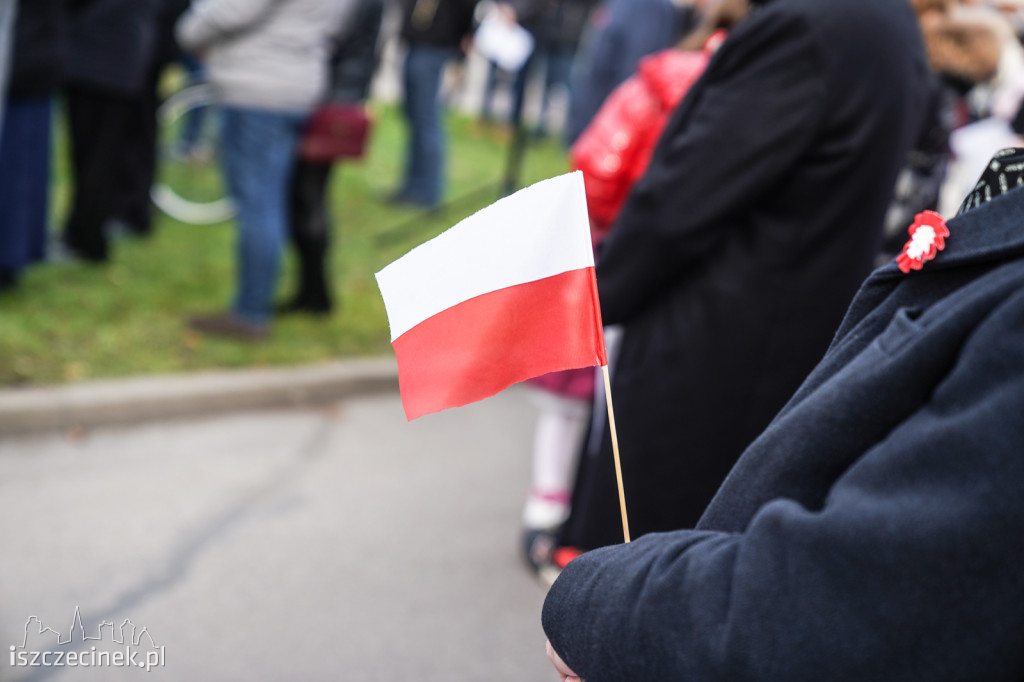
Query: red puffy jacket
(614, 150)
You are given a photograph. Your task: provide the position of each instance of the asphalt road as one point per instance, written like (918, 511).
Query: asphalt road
(313, 544)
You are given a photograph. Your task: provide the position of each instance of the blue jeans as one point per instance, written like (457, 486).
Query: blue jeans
(424, 160)
(258, 152)
(192, 127)
(25, 136)
(557, 72)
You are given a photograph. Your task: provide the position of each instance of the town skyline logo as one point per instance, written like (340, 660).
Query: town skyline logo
(127, 635)
(118, 638)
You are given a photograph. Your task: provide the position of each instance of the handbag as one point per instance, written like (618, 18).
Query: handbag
(335, 130)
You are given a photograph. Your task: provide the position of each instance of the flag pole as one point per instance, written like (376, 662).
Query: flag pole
(615, 452)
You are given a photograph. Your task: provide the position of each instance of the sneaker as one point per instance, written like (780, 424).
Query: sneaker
(228, 325)
(538, 544)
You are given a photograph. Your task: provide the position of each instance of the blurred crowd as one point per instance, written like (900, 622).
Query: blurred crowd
(747, 164)
(273, 63)
(698, 193)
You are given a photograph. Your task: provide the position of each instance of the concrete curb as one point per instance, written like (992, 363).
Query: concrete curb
(101, 403)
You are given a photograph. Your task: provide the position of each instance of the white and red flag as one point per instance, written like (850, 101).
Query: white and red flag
(507, 294)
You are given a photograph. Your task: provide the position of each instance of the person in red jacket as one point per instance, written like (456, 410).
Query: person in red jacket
(613, 152)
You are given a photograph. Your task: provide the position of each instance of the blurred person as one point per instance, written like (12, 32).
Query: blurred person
(563, 410)
(875, 530)
(556, 27)
(560, 40)
(615, 149)
(131, 210)
(435, 32)
(353, 63)
(40, 38)
(111, 48)
(991, 105)
(622, 32)
(496, 75)
(267, 60)
(613, 153)
(7, 12)
(737, 252)
(999, 96)
(189, 143)
(962, 55)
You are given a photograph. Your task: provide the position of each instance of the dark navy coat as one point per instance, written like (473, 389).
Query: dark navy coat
(875, 531)
(112, 43)
(737, 253)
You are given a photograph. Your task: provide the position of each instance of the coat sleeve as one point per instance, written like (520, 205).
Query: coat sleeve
(355, 56)
(910, 571)
(210, 21)
(743, 126)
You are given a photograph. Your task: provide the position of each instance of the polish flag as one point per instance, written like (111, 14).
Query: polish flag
(507, 294)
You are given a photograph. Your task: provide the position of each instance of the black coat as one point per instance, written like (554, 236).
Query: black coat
(437, 23)
(354, 58)
(875, 531)
(112, 43)
(166, 48)
(737, 252)
(40, 40)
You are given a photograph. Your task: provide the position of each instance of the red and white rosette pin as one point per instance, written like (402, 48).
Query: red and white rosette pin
(927, 237)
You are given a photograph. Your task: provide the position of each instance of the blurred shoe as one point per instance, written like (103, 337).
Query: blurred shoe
(404, 200)
(228, 325)
(304, 306)
(396, 197)
(115, 228)
(8, 280)
(59, 251)
(560, 558)
(538, 546)
(544, 556)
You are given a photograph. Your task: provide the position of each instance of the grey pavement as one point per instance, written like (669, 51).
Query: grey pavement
(317, 543)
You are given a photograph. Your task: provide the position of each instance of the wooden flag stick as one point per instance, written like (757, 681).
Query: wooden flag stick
(615, 452)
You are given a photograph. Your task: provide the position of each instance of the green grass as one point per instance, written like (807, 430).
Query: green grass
(71, 322)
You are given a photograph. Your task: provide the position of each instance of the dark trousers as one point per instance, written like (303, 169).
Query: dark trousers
(96, 120)
(310, 234)
(137, 166)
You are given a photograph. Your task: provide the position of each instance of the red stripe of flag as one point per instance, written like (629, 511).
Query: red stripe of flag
(485, 344)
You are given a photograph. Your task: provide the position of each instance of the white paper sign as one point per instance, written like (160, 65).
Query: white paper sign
(505, 43)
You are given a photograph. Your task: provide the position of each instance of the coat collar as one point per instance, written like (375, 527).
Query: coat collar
(993, 231)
